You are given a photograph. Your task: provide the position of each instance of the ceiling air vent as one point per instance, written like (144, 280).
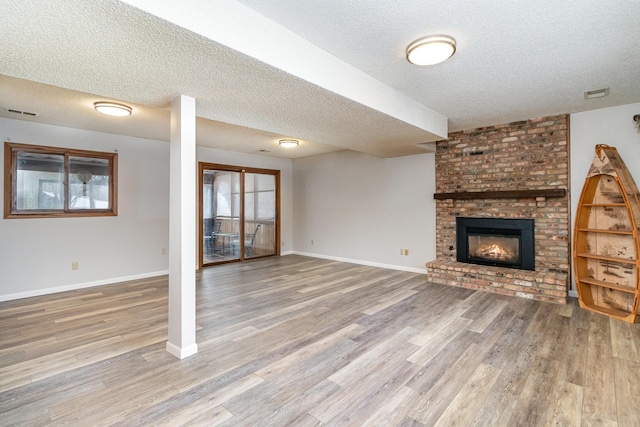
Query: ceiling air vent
(24, 113)
(598, 93)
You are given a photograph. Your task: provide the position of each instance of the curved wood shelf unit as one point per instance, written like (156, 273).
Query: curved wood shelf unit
(606, 244)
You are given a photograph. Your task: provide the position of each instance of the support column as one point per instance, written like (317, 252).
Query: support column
(182, 229)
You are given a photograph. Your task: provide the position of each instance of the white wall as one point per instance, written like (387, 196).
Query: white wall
(612, 126)
(362, 208)
(36, 253)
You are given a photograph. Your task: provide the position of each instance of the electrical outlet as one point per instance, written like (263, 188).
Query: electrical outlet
(401, 251)
(406, 251)
(74, 265)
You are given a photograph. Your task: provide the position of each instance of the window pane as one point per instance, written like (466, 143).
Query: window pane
(259, 215)
(207, 197)
(39, 181)
(249, 212)
(220, 213)
(267, 206)
(260, 197)
(88, 183)
(223, 194)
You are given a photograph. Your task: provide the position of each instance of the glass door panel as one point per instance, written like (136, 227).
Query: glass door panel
(239, 213)
(259, 215)
(221, 211)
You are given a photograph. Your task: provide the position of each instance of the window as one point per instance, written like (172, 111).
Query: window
(48, 181)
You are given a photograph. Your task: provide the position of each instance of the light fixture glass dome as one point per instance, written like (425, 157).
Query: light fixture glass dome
(288, 143)
(112, 109)
(431, 50)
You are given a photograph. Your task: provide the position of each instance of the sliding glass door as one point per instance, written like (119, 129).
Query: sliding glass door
(238, 212)
(259, 215)
(220, 207)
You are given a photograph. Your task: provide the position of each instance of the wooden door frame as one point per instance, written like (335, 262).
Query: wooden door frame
(202, 166)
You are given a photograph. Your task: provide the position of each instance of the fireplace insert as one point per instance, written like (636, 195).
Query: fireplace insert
(496, 241)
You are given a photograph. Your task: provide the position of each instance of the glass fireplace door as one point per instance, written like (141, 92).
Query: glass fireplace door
(493, 247)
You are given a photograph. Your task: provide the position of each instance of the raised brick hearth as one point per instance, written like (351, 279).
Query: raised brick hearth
(525, 155)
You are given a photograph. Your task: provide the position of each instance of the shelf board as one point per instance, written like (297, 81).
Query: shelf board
(595, 230)
(618, 314)
(608, 285)
(506, 194)
(605, 205)
(607, 258)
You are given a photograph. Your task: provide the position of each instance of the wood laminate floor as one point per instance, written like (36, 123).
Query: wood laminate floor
(296, 341)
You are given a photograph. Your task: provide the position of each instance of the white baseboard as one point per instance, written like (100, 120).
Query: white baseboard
(361, 262)
(47, 291)
(181, 352)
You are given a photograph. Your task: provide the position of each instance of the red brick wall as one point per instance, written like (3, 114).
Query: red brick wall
(526, 155)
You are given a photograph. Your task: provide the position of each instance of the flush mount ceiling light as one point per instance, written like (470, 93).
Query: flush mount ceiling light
(112, 109)
(431, 50)
(288, 143)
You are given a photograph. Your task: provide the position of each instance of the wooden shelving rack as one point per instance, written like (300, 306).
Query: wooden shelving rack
(606, 240)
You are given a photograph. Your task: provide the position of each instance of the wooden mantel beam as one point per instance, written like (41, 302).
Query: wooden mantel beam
(506, 194)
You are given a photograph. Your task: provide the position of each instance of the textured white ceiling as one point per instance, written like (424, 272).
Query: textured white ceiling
(515, 59)
(331, 73)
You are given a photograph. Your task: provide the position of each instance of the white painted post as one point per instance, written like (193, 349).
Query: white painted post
(182, 229)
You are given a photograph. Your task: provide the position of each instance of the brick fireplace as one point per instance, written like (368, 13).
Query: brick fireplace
(516, 171)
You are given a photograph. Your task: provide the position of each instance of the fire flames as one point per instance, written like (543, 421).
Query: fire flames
(494, 251)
